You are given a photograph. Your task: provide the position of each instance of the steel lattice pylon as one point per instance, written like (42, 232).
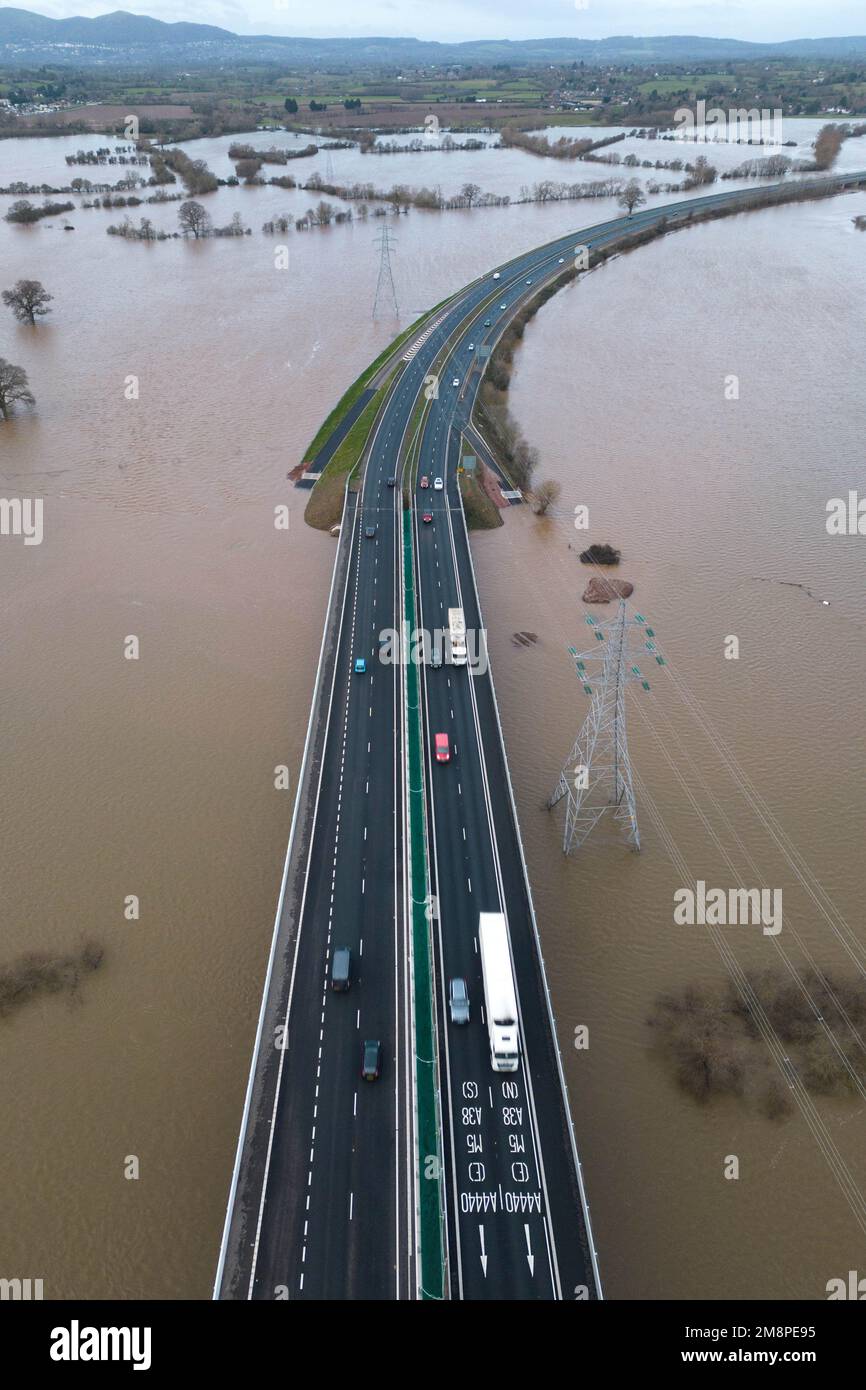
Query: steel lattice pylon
(596, 776)
(385, 241)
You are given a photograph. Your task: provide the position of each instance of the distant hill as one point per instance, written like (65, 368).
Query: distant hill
(117, 29)
(27, 38)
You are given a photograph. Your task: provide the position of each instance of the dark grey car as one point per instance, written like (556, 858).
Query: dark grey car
(458, 1000)
(371, 1060)
(341, 968)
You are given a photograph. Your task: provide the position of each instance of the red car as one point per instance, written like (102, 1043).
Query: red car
(425, 481)
(428, 516)
(443, 752)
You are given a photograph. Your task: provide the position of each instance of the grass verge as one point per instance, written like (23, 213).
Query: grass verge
(347, 400)
(325, 506)
(481, 514)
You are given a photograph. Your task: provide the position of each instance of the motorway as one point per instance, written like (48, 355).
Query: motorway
(323, 1195)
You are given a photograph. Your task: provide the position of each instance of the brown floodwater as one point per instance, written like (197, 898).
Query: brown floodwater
(154, 777)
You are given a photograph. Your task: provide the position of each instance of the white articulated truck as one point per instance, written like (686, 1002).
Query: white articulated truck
(500, 1001)
(457, 634)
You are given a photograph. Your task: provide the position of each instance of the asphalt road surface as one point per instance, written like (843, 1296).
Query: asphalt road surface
(330, 1193)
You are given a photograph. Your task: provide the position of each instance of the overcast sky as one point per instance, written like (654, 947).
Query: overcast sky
(503, 19)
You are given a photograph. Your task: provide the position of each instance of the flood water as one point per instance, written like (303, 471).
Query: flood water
(155, 777)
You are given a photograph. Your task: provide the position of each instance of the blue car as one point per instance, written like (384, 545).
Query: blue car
(360, 665)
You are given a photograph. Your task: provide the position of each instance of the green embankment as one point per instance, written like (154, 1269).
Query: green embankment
(481, 514)
(325, 507)
(347, 400)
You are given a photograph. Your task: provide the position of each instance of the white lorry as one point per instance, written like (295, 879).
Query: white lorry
(457, 634)
(500, 1002)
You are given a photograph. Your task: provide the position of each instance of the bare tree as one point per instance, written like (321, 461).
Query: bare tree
(194, 218)
(631, 197)
(471, 192)
(13, 388)
(28, 300)
(704, 171)
(545, 495)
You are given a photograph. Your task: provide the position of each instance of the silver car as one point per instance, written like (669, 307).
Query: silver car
(458, 1000)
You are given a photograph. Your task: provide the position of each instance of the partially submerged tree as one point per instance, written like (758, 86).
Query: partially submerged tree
(247, 169)
(194, 218)
(703, 172)
(13, 388)
(600, 555)
(545, 495)
(632, 196)
(828, 143)
(28, 300)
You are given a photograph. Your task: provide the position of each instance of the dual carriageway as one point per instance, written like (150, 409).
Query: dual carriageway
(324, 1199)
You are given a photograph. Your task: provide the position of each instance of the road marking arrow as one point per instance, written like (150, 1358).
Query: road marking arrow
(483, 1255)
(529, 1255)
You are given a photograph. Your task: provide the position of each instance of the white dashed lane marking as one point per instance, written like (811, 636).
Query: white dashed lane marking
(334, 880)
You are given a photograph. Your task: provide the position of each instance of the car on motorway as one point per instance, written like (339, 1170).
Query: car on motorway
(360, 665)
(529, 282)
(371, 1060)
(458, 1000)
(503, 306)
(456, 381)
(496, 274)
(471, 347)
(436, 659)
(425, 481)
(562, 260)
(369, 532)
(486, 323)
(437, 485)
(392, 482)
(428, 516)
(341, 969)
(443, 752)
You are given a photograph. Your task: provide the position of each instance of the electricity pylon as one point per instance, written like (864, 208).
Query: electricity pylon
(386, 278)
(596, 776)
